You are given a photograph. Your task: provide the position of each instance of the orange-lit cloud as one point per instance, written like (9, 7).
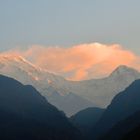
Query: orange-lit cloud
(83, 61)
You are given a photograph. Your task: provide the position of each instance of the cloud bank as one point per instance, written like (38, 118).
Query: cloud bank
(83, 61)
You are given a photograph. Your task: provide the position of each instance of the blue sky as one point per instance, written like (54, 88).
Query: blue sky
(69, 22)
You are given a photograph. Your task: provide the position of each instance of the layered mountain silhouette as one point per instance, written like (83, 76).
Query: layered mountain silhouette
(83, 94)
(26, 115)
(86, 119)
(122, 106)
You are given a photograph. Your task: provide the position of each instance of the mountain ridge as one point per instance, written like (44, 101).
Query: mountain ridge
(98, 92)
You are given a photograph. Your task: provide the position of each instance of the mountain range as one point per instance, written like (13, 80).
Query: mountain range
(45, 82)
(27, 113)
(68, 96)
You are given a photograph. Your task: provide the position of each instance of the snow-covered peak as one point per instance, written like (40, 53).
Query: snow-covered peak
(99, 91)
(13, 59)
(21, 69)
(123, 70)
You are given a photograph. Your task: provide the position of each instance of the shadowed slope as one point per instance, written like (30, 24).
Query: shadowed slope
(122, 106)
(30, 114)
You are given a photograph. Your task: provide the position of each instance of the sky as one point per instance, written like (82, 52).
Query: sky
(26, 24)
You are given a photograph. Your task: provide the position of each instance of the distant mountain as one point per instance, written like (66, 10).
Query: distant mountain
(25, 114)
(128, 128)
(70, 103)
(83, 94)
(122, 106)
(102, 91)
(86, 119)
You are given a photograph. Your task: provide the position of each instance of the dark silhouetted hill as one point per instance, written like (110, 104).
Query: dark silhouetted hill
(122, 106)
(26, 115)
(86, 119)
(124, 128)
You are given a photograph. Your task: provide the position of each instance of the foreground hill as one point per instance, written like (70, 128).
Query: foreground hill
(86, 119)
(133, 135)
(25, 114)
(122, 106)
(128, 128)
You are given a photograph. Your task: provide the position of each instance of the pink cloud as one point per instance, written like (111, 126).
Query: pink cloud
(83, 61)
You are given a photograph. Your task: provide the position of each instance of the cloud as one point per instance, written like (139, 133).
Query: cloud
(83, 61)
